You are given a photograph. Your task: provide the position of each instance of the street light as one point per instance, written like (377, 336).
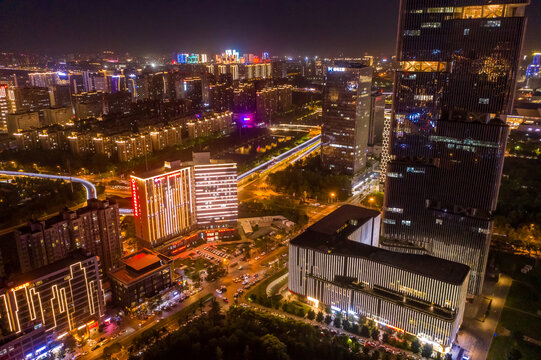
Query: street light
(332, 196)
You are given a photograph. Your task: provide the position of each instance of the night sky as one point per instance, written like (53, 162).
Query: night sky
(283, 27)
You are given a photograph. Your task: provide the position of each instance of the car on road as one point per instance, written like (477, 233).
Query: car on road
(97, 346)
(225, 300)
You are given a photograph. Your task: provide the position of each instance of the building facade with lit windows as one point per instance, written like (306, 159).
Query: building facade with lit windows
(163, 205)
(216, 201)
(459, 62)
(94, 228)
(335, 262)
(43, 306)
(346, 117)
(181, 197)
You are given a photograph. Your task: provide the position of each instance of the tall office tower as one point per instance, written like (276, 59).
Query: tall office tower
(94, 81)
(459, 62)
(216, 199)
(41, 307)
(163, 205)
(181, 197)
(346, 117)
(94, 228)
(4, 108)
(377, 119)
(116, 83)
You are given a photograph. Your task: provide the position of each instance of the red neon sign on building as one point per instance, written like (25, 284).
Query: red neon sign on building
(136, 210)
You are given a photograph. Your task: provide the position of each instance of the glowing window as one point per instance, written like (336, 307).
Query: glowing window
(431, 25)
(472, 12)
(492, 11)
(412, 32)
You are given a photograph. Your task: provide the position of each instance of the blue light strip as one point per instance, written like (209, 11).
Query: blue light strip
(89, 187)
(280, 157)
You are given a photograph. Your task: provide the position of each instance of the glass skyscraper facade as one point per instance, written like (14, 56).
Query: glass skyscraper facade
(459, 60)
(346, 117)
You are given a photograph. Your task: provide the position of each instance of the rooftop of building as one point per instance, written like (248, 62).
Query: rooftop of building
(175, 165)
(139, 265)
(66, 214)
(329, 235)
(72, 258)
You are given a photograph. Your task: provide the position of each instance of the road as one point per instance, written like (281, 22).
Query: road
(271, 163)
(89, 187)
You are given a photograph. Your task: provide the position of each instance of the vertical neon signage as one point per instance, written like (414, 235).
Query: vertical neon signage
(136, 209)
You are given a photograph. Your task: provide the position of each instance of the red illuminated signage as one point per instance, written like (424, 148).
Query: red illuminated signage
(136, 209)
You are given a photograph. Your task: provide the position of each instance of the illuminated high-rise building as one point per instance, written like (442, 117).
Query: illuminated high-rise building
(163, 205)
(459, 61)
(181, 197)
(43, 79)
(346, 117)
(4, 108)
(215, 185)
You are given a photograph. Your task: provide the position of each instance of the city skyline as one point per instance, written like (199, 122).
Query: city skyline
(285, 28)
(263, 181)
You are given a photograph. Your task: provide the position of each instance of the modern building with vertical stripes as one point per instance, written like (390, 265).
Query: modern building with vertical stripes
(181, 197)
(335, 262)
(163, 205)
(216, 201)
(39, 308)
(459, 62)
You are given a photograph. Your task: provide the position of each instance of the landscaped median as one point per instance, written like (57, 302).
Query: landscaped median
(258, 294)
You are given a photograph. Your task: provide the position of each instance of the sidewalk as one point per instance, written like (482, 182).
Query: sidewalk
(475, 335)
(324, 326)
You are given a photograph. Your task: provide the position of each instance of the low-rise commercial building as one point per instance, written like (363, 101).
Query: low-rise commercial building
(335, 263)
(144, 274)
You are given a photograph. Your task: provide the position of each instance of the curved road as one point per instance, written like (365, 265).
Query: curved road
(89, 187)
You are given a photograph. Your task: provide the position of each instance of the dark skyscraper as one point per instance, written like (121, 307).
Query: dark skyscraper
(459, 60)
(346, 117)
